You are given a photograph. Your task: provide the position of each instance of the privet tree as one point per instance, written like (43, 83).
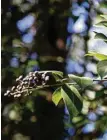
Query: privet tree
(80, 95)
(73, 90)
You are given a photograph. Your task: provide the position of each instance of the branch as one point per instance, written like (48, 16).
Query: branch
(102, 80)
(38, 88)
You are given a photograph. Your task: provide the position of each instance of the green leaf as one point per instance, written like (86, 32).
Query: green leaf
(70, 106)
(97, 55)
(67, 125)
(104, 23)
(104, 16)
(51, 10)
(77, 119)
(17, 50)
(86, 81)
(103, 5)
(76, 92)
(101, 36)
(30, 105)
(102, 68)
(56, 97)
(72, 100)
(105, 91)
(57, 75)
(83, 82)
(32, 63)
(99, 93)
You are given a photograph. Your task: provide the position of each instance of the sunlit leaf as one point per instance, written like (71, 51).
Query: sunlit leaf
(56, 97)
(77, 119)
(104, 16)
(97, 55)
(102, 23)
(83, 82)
(102, 68)
(101, 36)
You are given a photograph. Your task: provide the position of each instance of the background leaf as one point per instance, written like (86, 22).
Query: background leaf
(102, 23)
(104, 16)
(102, 68)
(101, 36)
(32, 63)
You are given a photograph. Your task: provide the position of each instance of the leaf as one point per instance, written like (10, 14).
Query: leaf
(102, 68)
(103, 5)
(72, 100)
(32, 63)
(104, 16)
(17, 71)
(105, 91)
(70, 106)
(17, 50)
(83, 82)
(77, 119)
(57, 75)
(99, 94)
(51, 10)
(76, 92)
(101, 36)
(102, 23)
(56, 97)
(45, 59)
(30, 105)
(97, 55)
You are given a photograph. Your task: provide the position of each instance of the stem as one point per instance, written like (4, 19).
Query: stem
(100, 80)
(47, 86)
(41, 87)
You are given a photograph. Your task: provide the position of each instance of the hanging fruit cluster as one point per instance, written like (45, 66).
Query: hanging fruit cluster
(24, 84)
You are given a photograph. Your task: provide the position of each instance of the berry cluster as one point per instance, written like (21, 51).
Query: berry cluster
(23, 84)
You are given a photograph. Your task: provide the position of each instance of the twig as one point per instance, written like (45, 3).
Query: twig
(102, 80)
(41, 87)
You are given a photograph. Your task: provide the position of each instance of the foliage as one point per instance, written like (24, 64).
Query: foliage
(73, 90)
(46, 36)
